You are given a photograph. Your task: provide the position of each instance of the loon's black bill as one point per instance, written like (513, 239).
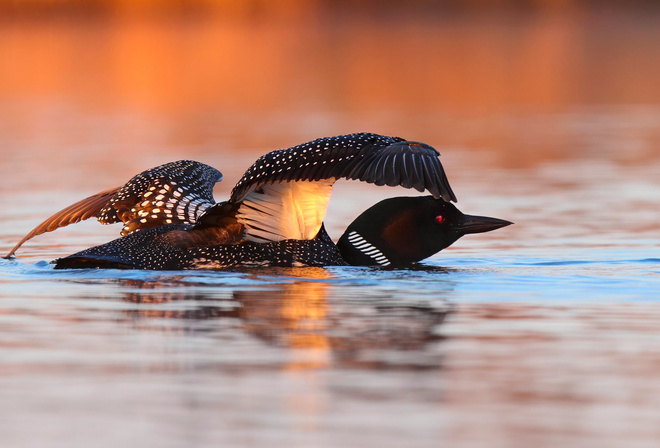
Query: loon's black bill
(480, 224)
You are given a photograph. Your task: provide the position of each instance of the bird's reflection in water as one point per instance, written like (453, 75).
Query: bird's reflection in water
(300, 310)
(196, 304)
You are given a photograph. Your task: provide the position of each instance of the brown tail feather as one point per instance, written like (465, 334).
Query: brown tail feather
(81, 210)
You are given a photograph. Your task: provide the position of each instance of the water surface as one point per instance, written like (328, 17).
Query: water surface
(539, 334)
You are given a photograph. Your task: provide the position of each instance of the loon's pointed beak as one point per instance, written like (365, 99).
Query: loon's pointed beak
(480, 224)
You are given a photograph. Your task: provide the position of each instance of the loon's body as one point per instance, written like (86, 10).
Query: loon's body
(170, 247)
(275, 213)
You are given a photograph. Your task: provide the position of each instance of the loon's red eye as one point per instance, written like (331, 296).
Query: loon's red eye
(438, 218)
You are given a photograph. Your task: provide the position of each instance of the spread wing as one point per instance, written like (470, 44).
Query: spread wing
(285, 193)
(177, 192)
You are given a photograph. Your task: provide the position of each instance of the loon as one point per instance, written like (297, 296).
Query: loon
(274, 215)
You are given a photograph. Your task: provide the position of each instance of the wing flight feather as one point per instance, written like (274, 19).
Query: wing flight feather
(81, 210)
(280, 174)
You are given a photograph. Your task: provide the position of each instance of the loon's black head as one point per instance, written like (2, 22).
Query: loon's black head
(404, 230)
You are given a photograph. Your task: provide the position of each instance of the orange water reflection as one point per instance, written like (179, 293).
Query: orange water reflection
(238, 80)
(476, 61)
(318, 330)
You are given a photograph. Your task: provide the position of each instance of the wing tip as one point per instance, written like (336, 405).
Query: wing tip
(12, 252)
(76, 212)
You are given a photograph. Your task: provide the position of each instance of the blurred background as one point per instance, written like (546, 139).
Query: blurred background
(132, 83)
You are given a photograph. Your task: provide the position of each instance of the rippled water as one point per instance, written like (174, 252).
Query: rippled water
(544, 335)
(540, 334)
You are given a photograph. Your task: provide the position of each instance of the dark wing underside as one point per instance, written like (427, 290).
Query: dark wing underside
(173, 193)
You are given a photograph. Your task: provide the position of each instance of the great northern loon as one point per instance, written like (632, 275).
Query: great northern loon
(275, 213)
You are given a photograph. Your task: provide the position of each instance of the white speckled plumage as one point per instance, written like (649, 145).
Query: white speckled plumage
(176, 192)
